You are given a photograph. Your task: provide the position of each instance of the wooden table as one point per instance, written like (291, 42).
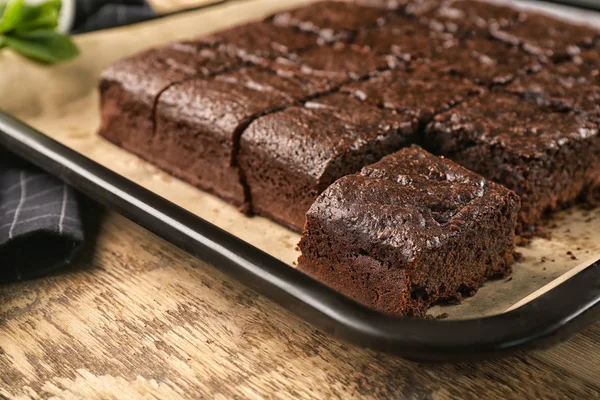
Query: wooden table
(137, 318)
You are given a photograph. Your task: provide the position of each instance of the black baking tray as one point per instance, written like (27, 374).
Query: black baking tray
(546, 320)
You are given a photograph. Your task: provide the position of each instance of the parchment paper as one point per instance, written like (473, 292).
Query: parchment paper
(62, 102)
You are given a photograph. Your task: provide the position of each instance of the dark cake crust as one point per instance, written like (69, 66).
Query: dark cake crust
(130, 87)
(421, 93)
(483, 60)
(468, 17)
(199, 123)
(289, 157)
(409, 231)
(546, 157)
(330, 20)
(396, 64)
(547, 37)
(258, 42)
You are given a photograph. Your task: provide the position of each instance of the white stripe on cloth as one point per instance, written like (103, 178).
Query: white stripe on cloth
(23, 183)
(56, 216)
(63, 209)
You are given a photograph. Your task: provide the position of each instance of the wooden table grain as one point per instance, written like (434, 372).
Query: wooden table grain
(136, 318)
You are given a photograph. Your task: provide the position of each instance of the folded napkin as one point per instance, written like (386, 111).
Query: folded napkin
(40, 226)
(40, 222)
(100, 14)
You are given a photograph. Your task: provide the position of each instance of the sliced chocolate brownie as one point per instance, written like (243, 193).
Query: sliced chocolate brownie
(548, 37)
(129, 88)
(403, 38)
(469, 17)
(586, 64)
(336, 64)
(485, 61)
(409, 231)
(559, 91)
(289, 157)
(332, 20)
(421, 93)
(259, 41)
(199, 123)
(547, 157)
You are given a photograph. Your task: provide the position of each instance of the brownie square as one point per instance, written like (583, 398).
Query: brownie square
(484, 61)
(259, 41)
(291, 156)
(559, 91)
(546, 157)
(586, 64)
(408, 232)
(335, 65)
(548, 37)
(421, 93)
(331, 20)
(469, 17)
(129, 88)
(403, 38)
(199, 123)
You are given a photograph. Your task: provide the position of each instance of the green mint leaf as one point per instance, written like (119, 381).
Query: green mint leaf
(12, 15)
(2, 8)
(42, 16)
(43, 45)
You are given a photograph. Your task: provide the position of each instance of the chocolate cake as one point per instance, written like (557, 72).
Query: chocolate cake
(546, 157)
(548, 37)
(336, 64)
(268, 115)
(408, 232)
(483, 60)
(331, 20)
(403, 38)
(421, 93)
(199, 123)
(259, 41)
(289, 157)
(560, 91)
(468, 17)
(129, 89)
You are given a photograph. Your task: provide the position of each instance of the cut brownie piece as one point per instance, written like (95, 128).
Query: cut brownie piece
(331, 20)
(130, 87)
(199, 123)
(548, 37)
(586, 64)
(409, 231)
(484, 61)
(336, 64)
(259, 41)
(561, 92)
(546, 157)
(403, 38)
(421, 93)
(469, 17)
(289, 157)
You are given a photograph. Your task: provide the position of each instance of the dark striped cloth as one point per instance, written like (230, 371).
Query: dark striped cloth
(92, 15)
(40, 222)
